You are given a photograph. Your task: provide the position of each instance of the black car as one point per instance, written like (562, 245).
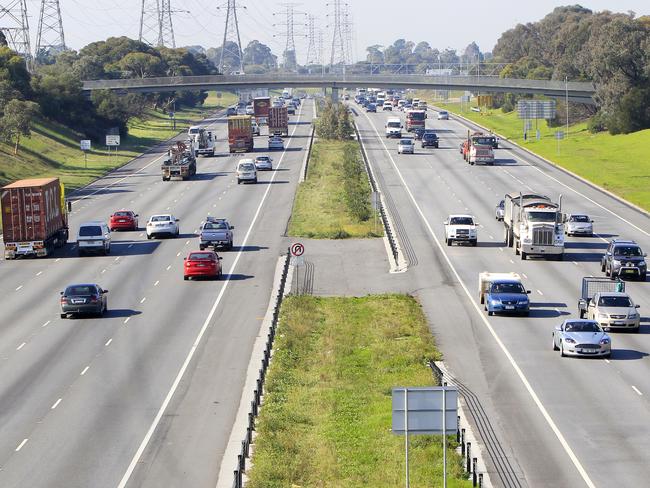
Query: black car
(625, 259)
(429, 139)
(419, 131)
(231, 111)
(83, 299)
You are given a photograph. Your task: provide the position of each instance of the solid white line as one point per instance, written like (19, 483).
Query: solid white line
(103, 271)
(117, 258)
(574, 263)
(520, 373)
(637, 390)
(84, 371)
(524, 275)
(607, 361)
(108, 342)
(187, 242)
(56, 404)
(197, 341)
(178, 254)
(21, 346)
(20, 446)
(46, 324)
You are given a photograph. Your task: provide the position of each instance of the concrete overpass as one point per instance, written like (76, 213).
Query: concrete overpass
(576, 91)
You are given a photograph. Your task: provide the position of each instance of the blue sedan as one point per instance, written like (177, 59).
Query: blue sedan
(507, 296)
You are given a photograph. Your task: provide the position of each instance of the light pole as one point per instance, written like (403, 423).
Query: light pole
(566, 102)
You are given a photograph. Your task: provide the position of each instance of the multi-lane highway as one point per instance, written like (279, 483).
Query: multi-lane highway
(556, 421)
(147, 395)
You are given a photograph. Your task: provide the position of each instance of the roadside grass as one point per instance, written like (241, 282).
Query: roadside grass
(326, 416)
(53, 149)
(320, 208)
(617, 163)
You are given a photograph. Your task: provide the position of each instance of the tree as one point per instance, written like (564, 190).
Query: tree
(375, 55)
(141, 64)
(3, 39)
(17, 121)
(259, 54)
(14, 70)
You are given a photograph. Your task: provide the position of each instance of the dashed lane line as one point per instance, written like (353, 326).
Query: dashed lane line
(56, 404)
(21, 445)
(108, 342)
(637, 390)
(85, 370)
(21, 346)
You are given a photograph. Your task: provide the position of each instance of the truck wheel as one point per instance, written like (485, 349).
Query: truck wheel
(555, 348)
(238, 181)
(523, 256)
(602, 267)
(560, 257)
(449, 242)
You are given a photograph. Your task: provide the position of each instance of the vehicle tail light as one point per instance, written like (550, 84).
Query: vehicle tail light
(94, 298)
(39, 245)
(188, 263)
(64, 300)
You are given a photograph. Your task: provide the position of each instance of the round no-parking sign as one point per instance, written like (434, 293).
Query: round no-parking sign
(297, 249)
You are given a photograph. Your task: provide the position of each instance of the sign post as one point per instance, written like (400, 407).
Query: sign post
(112, 140)
(297, 250)
(559, 135)
(84, 144)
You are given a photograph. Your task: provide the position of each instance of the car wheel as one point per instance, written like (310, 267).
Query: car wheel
(186, 277)
(255, 181)
(229, 247)
(562, 349)
(178, 232)
(523, 256)
(449, 242)
(149, 236)
(490, 313)
(238, 181)
(64, 315)
(555, 348)
(636, 330)
(474, 243)
(607, 271)
(201, 247)
(108, 249)
(80, 253)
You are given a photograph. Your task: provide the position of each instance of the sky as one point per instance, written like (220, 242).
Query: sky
(441, 23)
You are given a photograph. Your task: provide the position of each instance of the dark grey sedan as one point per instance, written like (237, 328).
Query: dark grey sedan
(83, 299)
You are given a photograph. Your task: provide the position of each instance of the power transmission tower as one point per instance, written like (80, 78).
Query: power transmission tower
(290, 57)
(231, 31)
(337, 55)
(156, 27)
(348, 33)
(50, 39)
(15, 27)
(312, 55)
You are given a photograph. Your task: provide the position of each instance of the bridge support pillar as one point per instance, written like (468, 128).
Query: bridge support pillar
(335, 94)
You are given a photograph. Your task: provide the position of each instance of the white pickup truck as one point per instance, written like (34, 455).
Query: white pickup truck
(461, 228)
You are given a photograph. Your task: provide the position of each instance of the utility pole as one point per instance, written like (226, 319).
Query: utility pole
(566, 102)
(337, 55)
(50, 39)
(231, 32)
(290, 56)
(15, 27)
(312, 55)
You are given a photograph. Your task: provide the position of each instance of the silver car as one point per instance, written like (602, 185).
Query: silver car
(500, 210)
(263, 163)
(614, 310)
(581, 337)
(579, 224)
(406, 146)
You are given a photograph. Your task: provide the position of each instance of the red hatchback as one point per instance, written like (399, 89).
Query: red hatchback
(202, 263)
(123, 220)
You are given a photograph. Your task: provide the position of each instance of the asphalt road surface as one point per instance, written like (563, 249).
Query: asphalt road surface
(555, 421)
(147, 395)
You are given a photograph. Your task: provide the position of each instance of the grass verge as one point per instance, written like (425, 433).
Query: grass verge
(617, 163)
(322, 205)
(326, 417)
(53, 149)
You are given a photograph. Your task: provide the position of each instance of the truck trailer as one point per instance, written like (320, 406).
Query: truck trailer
(180, 163)
(533, 225)
(240, 133)
(34, 217)
(278, 121)
(261, 106)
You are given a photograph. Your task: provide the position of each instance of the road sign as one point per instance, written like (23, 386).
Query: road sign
(425, 410)
(536, 109)
(559, 134)
(171, 115)
(297, 249)
(85, 144)
(112, 140)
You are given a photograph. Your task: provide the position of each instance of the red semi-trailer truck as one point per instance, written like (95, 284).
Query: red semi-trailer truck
(240, 133)
(278, 121)
(261, 106)
(34, 217)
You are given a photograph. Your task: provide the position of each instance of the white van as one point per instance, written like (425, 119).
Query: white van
(94, 236)
(394, 127)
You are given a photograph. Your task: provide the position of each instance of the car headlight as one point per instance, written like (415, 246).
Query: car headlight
(568, 340)
(604, 341)
(633, 315)
(603, 316)
(495, 301)
(642, 263)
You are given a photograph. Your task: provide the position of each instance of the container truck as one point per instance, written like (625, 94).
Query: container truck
(34, 217)
(415, 119)
(180, 163)
(533, 225)
(261, 106)
(240, 133)
(278, 121)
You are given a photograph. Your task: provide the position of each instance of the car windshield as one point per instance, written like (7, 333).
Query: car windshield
(538, 216)
(406, 142)
(502, 204)
(461, 221)
(416, 115)
(627, 251)
(581, 327)
(199, 256)
(443, 113)
(247, 167)
(77, 290)
(122, 214)
(215, 225)
(90, 230)
(579, 218)
(507, 288)
(262, 159)
(161, 218)
(394, 124)
(194, 130)
(486, 141)
(428, 135)
(614, 302)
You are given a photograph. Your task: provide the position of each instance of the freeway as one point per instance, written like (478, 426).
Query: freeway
(547, 421)
(147, 395)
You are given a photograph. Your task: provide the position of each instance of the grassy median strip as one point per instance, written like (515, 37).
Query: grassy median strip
(53, 149)
(326, 417)
(334, 201)
(618, 163)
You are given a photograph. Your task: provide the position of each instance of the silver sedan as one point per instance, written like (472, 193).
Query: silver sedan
(581, 337)
(579, 224)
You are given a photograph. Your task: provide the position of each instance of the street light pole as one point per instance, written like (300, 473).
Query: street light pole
(566, 102)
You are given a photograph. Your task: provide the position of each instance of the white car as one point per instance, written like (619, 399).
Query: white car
(246, 171)
(250, 110)
(387, 106)
(406, 146)
(579, 224)
(263, 163)
(276, 143)
(94, 236)
(443, 115)
(162, 224)
(461, 228)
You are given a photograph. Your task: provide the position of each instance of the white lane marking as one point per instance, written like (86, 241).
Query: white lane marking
(491, 237)
(20, 446)
(39, 273)
(141, 234)
(103, 271)
(156, 283)
(511, 359)
(501, 249)
(58, 259)
(127, 319)
(524, 275)
(607, 361)
(56, 404)
(21, 346)
(637, 390)
(108, 342)
(540, 292)
(84, 371)
(197, 341)
(169, 267)
(511, 261)
(168, 208)
(17, 289)
(46, 324)
(143, 299)
(178, 254)
(117, 258)
(574, 263)
(187, 242)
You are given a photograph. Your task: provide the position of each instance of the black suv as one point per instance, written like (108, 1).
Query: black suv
(429, 139)
(624, 258)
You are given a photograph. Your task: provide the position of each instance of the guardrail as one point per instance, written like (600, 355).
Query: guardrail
(375, 188)
(257, 393)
